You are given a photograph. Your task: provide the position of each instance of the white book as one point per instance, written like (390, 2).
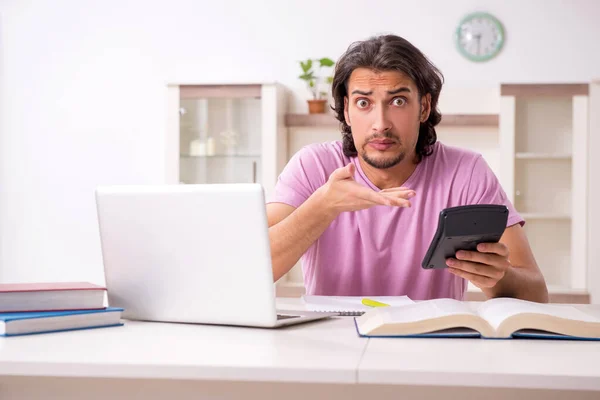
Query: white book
(14, 324)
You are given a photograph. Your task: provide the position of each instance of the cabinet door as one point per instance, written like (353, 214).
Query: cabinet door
(220, 134)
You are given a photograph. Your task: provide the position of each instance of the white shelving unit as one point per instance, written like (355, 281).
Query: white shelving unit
(202, 120)
(544, 140)
(534, 137)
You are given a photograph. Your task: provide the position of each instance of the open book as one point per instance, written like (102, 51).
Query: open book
(495, 318)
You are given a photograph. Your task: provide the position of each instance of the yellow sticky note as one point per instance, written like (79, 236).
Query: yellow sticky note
(373, 303)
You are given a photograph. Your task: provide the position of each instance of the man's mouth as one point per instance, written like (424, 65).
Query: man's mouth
(381, 144)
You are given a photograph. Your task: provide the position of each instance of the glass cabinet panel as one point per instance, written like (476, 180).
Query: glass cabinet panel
(220, 137)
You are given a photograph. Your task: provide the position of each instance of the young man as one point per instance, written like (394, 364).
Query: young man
(361, 212)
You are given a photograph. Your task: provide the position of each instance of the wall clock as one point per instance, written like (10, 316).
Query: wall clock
(479, 36)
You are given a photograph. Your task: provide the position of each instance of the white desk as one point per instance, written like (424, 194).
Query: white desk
(324, 359)
(511, 364)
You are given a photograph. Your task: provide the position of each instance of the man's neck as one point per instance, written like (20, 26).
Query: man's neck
(392, 177)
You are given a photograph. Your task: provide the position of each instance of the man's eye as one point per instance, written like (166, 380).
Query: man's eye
(362, 103)
(399, 101)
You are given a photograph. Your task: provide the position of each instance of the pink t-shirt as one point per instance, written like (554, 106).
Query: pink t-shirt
(378, 251)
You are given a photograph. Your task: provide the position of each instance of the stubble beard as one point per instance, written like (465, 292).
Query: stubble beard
(387, 162)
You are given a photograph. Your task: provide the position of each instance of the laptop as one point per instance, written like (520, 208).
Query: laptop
(190, 253)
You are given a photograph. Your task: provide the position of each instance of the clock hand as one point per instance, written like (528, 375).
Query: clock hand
(478, 37)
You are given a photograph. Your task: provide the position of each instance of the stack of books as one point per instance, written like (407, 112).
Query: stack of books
(28, 308)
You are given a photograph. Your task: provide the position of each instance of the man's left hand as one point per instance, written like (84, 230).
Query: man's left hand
(484, 267)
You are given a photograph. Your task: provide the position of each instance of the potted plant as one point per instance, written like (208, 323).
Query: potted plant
(314, 80)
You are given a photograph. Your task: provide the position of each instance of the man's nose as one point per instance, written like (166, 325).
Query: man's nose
(381, 123)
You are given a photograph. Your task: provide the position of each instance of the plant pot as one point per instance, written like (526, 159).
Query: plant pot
(316, 106)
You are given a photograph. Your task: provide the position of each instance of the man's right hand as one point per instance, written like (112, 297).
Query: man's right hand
(342, 193)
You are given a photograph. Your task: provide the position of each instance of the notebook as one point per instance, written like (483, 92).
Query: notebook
(16, 324)
(501, 318)
(349, 305)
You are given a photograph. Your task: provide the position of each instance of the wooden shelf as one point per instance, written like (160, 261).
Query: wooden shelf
(329, 121)
(307, 120)
(470, 120)
(538, 90)
(530, 216)
(543, 156)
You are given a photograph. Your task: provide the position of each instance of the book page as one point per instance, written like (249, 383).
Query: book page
(495, 311)
(425, 310)
(349, 303)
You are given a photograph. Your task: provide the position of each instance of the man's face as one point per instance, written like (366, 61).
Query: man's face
(384, 111)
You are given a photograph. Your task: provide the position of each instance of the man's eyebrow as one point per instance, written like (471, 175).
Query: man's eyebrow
(399, 90)
(395, 91)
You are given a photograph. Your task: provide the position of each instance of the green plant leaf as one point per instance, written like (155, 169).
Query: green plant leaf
(326, 62)
(307, 77)
(311, 83)
(330, 80)
(306, 65)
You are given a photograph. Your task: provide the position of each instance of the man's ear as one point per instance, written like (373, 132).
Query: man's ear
(346, 115)
(425, 107)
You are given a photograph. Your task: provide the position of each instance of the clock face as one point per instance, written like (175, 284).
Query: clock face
(479, 37)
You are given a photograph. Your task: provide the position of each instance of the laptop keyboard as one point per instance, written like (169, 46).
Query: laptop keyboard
(283, 316)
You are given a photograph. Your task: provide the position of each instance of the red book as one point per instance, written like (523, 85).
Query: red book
(51, 296)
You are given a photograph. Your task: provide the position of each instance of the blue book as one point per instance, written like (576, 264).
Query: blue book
(27, 323)
(501, 318)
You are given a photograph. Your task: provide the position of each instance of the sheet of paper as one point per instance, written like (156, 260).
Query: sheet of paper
(350, 303)
(425, 310)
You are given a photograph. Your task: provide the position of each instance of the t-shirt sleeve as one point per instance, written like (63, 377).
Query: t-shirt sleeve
(299, 179)
(485, 188)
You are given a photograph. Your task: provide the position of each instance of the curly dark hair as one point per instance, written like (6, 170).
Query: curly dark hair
(389, 53)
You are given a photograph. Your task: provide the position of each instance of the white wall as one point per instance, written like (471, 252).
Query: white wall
(84, 89)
